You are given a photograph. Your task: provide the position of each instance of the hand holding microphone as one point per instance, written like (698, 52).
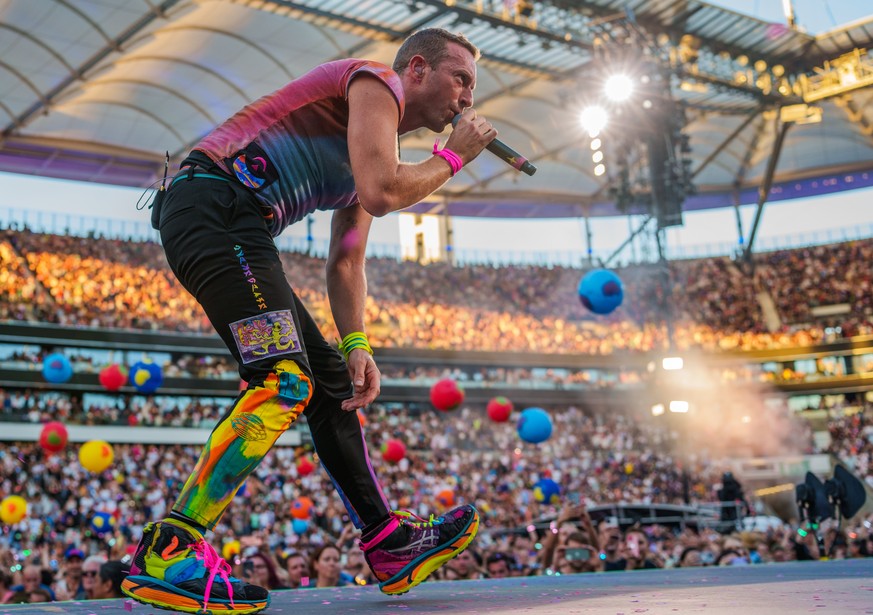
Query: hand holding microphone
(501, 150)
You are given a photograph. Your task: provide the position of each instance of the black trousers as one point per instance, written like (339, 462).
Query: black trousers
(217, 243)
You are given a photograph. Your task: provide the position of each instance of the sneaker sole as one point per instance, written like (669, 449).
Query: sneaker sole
(420, 570)
(157, 593)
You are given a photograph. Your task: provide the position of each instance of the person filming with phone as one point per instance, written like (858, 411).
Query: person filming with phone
(638, 551)
(570, 548)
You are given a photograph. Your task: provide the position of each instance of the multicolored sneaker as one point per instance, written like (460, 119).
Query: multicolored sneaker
(174, 568)
(406, 549)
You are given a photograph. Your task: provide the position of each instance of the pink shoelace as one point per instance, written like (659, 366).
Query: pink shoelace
(216, 566)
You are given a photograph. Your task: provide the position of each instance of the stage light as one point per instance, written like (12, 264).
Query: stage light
(679, 407)
(597, 156)
(672, 363)
(595, 144)
(618, 88)
(657, 409)
(600, 169)
(593, 119)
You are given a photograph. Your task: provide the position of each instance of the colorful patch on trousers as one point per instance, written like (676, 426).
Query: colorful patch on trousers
(266, 335)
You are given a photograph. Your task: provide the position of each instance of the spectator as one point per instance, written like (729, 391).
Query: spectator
(562, 532)
(466, 565)
(40, 594)
(90, 573)
(324, 568)
(356, 566)
(70, 585)
(295, 564)
(259, 569)
(31, 587)
(107, 584)
(690, 558)
(613, 550)
(577, 555)
(639, 553)
(500, 565)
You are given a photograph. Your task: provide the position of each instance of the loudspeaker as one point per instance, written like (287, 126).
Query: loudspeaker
(819, 501)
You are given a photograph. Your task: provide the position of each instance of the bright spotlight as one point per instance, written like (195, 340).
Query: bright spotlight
(597, 156)
(595, 144)
(679, 406)
(618, 88)
(672, 363)
(600, 169)
(657, 409)
(593, 119)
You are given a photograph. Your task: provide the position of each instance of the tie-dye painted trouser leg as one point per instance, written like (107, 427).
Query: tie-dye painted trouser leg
(220, 249)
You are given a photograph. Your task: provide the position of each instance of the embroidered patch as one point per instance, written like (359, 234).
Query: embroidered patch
(266, 335)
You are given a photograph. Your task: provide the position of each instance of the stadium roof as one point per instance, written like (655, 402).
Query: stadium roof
(97, 90)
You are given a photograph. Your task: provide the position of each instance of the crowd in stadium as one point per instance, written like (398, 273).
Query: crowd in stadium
(58, 553)
(114, 283)
(595, 459)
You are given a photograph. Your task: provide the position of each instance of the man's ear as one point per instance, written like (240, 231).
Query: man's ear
(417, 65)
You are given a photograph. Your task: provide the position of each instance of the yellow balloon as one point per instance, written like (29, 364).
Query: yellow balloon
(96, 455)
(13, 509)
(230, 549)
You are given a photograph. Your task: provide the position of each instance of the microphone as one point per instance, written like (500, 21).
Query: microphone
(506, 153)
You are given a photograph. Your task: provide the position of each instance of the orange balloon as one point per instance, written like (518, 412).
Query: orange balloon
(446, 498)
(302, 507)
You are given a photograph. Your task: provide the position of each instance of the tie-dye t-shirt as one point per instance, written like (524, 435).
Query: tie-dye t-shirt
(291, 146)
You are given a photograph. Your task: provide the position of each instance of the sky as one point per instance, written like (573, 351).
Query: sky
(848, 214)
(814, 16)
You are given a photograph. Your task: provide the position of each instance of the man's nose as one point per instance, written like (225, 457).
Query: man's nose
(466, 99)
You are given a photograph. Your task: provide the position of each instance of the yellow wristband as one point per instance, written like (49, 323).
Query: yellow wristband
(353, 341)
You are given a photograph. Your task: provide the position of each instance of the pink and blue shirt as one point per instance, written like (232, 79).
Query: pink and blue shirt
(291, 147)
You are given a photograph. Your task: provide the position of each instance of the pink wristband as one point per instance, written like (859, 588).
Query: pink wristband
(451, 157)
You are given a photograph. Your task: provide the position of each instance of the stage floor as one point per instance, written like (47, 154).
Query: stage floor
(839, 587)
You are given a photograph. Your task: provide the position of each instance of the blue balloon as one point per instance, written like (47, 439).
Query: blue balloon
(547, 491)
(299, 526)
(146, 377)
(56, 368)
(102, 522)
(534, 425)
(601, 291)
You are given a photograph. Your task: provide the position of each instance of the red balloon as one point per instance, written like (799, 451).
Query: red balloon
(53, 437)
(446, 395)
(393, 451)
(499, 409)
(113, 377)
(305, 467)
